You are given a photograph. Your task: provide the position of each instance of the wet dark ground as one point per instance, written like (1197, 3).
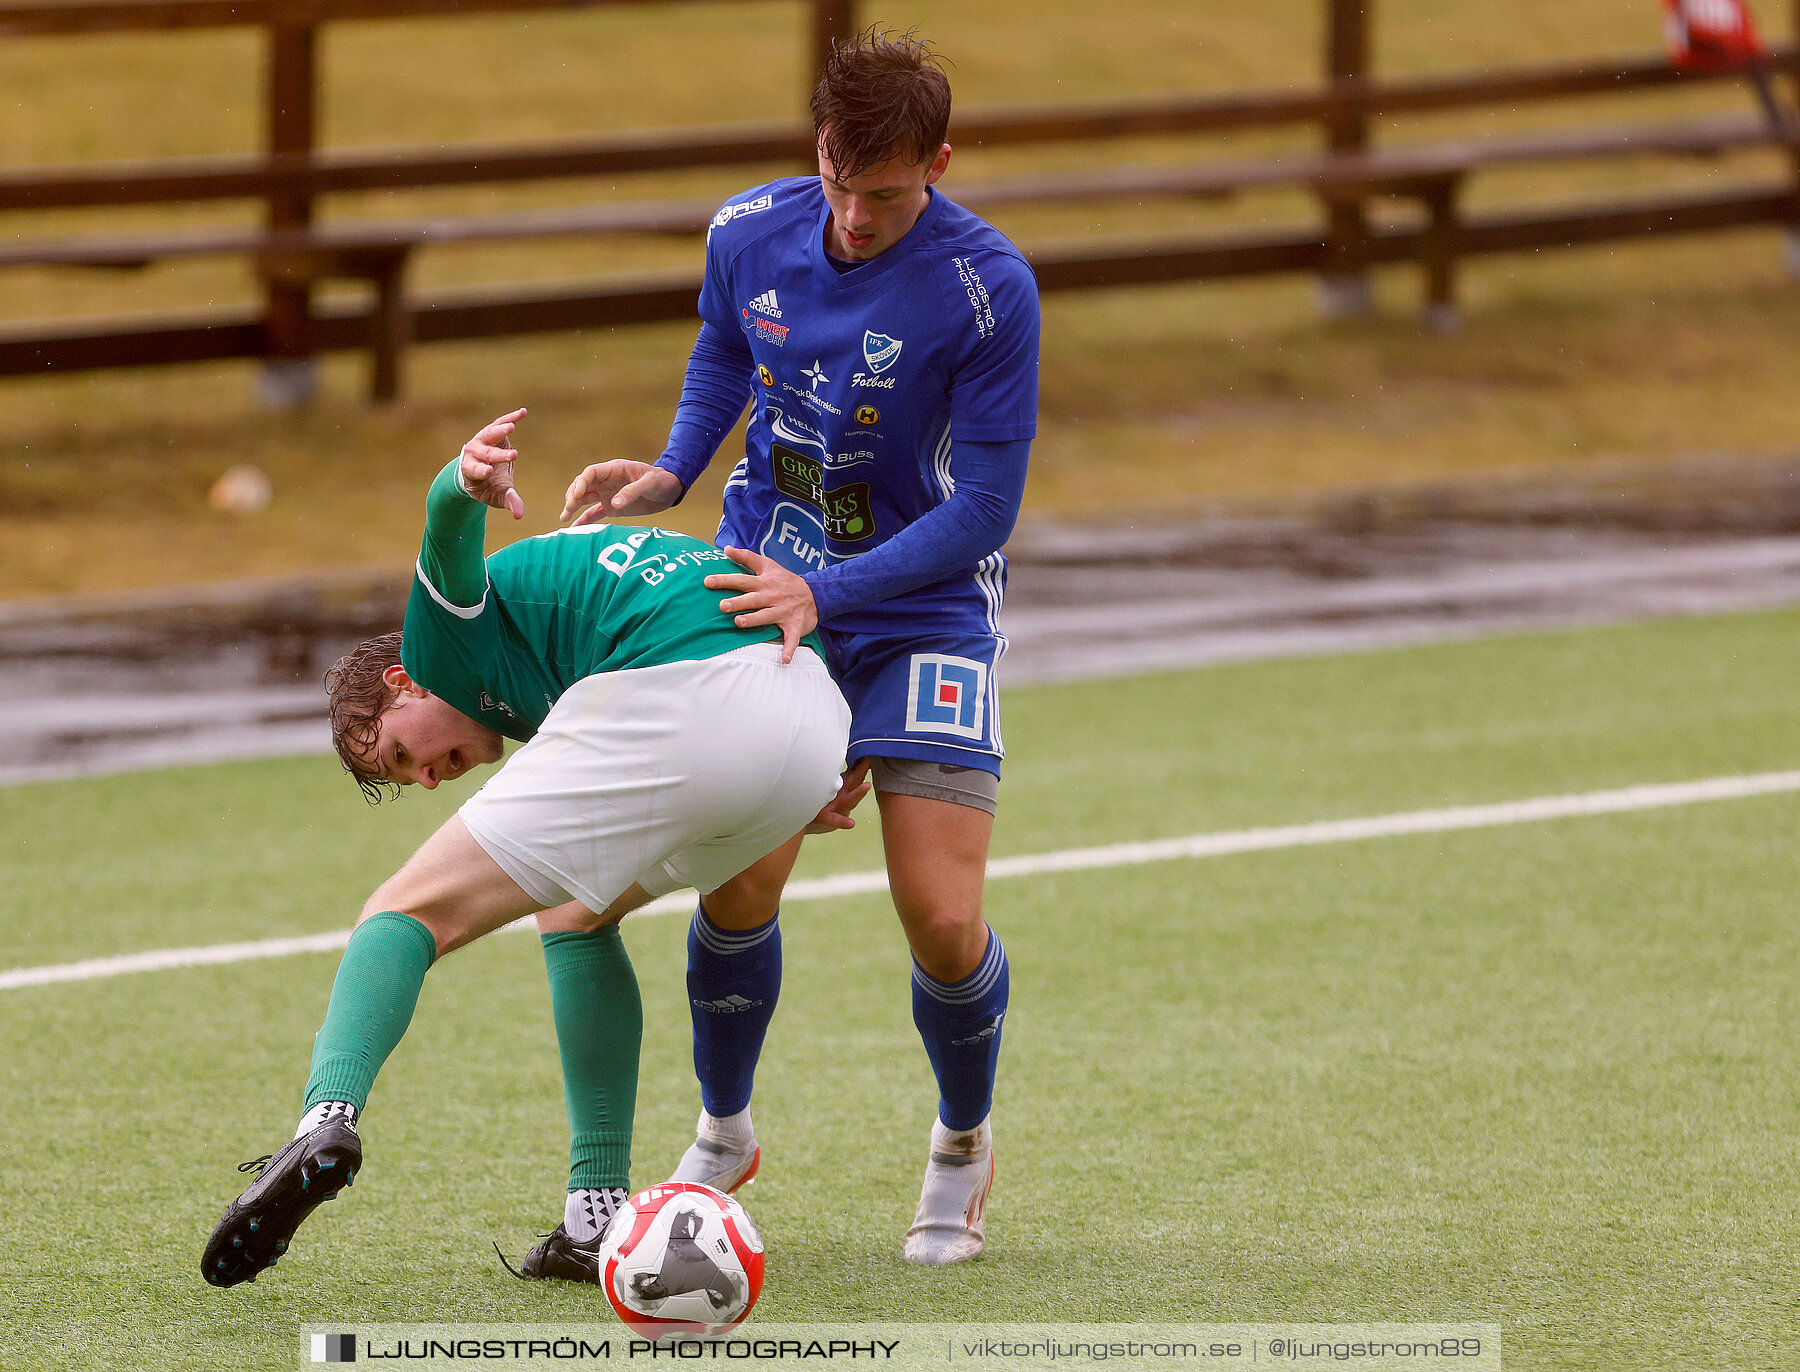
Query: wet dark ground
(110, 684)
(199, 674)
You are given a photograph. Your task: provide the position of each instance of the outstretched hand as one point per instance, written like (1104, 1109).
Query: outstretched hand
(836, 814)
(771, 594)
(619, 489)
(487, 466)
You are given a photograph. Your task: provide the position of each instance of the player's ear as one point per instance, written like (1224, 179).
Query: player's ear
(397, 681)
(939, 164)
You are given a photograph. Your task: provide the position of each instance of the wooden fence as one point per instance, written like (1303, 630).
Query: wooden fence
(294, 251)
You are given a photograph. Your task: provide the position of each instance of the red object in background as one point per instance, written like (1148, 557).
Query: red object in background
(1711, 35)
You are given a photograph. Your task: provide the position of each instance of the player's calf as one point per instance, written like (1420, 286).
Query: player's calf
(960, 1023)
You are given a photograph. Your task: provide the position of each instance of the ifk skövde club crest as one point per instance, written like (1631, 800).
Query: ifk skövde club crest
(879, 351)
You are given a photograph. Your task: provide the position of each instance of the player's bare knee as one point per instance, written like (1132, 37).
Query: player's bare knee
(573, 918)
(396, 893)
(947, 941)
(748, 901)
(393, 895)
(376, 904)
(743, 913)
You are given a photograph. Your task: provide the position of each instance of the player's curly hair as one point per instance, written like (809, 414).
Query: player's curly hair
(358, 698)
(881, 95)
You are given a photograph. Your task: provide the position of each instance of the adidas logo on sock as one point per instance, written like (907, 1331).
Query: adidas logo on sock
(730, 1005)
(765, 304)
(986, 1033)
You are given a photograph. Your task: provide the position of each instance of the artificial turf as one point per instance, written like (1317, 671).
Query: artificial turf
(1538, 1076)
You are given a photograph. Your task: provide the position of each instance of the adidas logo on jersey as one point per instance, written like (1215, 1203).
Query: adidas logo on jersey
(765, 304)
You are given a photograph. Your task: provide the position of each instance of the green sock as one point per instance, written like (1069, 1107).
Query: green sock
(599, 1028)
(372, 1002)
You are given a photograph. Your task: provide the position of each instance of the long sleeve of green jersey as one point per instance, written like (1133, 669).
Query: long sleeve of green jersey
(451, 556)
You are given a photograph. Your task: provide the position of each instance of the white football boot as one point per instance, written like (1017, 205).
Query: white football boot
(950, 1224)
(724, 1154)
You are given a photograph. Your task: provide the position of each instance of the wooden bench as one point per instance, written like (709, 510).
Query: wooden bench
(1432, 175)
(290, 174)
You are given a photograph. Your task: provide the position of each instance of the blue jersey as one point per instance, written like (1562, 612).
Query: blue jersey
(864, 379)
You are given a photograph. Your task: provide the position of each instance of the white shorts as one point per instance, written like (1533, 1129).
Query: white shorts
(671, 776)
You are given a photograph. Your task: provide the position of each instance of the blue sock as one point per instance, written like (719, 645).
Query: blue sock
(734, 980)
(960, 1023)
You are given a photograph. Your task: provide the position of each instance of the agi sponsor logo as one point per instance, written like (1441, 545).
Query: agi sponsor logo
(868, 416)
(764, 375)
(946, 695)
(738, 211)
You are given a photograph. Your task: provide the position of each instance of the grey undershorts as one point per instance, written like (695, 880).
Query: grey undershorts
(905, 776)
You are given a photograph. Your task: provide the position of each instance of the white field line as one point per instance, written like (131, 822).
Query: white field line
(1068, 860)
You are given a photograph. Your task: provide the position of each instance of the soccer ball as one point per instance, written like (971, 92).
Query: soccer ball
(681, 1259)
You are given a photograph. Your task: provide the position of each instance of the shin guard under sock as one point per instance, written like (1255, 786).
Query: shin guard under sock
(599, 1030)
(372, 1002)
(734, 980)
(960, 1023)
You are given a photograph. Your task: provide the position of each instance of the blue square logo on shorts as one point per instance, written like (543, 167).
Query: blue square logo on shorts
(946, 695)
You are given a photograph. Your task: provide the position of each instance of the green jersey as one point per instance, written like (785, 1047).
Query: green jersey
(502, 638)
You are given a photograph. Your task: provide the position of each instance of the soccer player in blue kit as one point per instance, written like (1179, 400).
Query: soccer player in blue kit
(888, 341)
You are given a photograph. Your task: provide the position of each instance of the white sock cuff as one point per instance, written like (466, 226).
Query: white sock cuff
(325, 1110)
(942, 1135)
(590, 1209)
(727, 1128)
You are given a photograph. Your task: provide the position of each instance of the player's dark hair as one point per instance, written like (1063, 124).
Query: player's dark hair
(358, 698)
(880, 95)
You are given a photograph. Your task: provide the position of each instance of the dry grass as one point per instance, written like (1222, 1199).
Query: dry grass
(1171, 398)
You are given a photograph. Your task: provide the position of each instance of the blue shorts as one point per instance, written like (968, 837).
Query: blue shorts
(925, 696)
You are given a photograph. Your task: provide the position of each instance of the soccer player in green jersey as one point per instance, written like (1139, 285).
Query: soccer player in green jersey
(665, 747)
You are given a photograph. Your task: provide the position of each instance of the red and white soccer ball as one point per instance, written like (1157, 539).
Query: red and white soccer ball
(681, 1259)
